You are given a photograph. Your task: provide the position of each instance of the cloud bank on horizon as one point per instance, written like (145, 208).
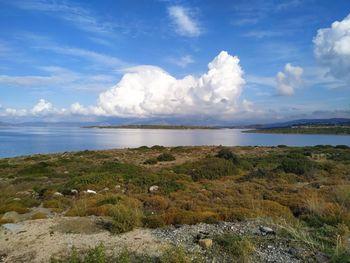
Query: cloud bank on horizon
(295, 68)
(149, 91)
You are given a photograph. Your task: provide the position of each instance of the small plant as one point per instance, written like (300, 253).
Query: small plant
(126, 216)
(175, 255)
(209, 168)
(238, 247)
(38, 215)
(151, 161)
(111, 200)
(166, 157)
(93, 255)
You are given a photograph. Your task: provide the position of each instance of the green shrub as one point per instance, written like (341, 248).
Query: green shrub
(151, 161)
(153, 221)
(144, 147)
(157, 147)
(166, 157)
(342, 147)
(236, 246)
(297, 164)
(98, 255)
(175, 255)
(111, 200)
(93, 255)
(226, 154)
(126, 216)
(209, 168)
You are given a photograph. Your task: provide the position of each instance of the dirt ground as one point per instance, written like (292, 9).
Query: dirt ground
(37, 240)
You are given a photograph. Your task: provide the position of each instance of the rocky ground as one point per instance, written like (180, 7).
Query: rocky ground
(38, 240)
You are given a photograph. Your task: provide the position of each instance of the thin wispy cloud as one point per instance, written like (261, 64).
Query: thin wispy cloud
(74, 14)
(99, 59)
(264, 34)
(184, 21)
(54, 76)
(288, 4)
(182, 61)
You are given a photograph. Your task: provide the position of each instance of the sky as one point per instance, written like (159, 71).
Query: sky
(192, 61)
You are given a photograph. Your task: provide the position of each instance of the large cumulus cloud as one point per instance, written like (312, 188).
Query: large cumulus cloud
(332, 48)
(149, 91)
(146, 91)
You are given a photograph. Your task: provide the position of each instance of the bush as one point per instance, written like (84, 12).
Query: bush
(126, 216)
(166, 157)
(153, 221)
(14, 206)
(342, 147)
(226, 154)
(297, 164)
(157, 147)
(58, 204)
(209, 168)
(175, 255)
(156, 203)
(238, 247)
(93, 255)
(109, 200)
(151, 161)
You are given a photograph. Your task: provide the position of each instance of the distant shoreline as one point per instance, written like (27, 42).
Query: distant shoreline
(160, 127)
(338, 130)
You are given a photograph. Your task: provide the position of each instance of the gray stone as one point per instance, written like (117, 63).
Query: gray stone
(322, 257)
(14, 228)
(266, 230)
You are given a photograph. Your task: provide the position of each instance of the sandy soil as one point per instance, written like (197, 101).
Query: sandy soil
(38, 240)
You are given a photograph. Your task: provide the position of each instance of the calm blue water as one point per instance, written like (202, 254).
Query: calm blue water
(29, 140)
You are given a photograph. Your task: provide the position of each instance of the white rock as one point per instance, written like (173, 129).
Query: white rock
(57, 194)
(91, 191)
(153, 188)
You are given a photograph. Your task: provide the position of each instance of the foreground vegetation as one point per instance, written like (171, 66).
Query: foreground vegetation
(313, 129)
(304, 192)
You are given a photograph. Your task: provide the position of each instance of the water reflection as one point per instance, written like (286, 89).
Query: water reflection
(29, 140)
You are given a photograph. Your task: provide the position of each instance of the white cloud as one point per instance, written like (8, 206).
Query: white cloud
(185, 24)
(43, 107)
(183, 61)
(332, 48)
(287, 81)
(146, 91)
(149, 91)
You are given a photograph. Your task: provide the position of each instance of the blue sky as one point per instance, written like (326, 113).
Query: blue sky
(90, 60)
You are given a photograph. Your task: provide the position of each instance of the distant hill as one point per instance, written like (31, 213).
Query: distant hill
(333, 121)
(177, 122)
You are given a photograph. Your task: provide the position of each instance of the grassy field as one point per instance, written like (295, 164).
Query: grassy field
(304, 189)
(337, 130)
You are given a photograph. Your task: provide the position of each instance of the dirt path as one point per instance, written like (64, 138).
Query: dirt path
(36, 240)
